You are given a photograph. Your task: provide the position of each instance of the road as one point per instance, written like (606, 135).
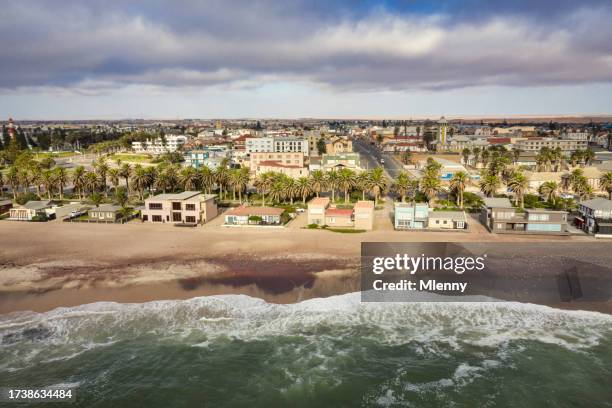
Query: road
(371, 155)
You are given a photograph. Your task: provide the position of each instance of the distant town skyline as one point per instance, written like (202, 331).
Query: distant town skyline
(304, 59)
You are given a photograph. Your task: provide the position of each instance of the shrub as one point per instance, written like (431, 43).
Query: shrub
(25, 197)
(313, 226)
(255, 218)
(40, 218)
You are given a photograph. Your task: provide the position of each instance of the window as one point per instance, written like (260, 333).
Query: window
(176, 217)
(460, 225)
(176, 206)
(190, 219)
(156, 218)
(190, 207)
(155, 206)
(145, 218)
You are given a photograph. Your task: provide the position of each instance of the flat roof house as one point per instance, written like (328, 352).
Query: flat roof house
(596, 217)
(255, 215)
(189, 207)
(30, 210)
(316, 210)
(339, 217)
(105, 213)
(447, 220)
(410, 216)
(364, 215)
(499, 216)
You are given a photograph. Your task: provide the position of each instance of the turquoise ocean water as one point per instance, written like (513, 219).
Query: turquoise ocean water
(239, 351)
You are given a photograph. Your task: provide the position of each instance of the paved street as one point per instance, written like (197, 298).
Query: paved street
(371, 155)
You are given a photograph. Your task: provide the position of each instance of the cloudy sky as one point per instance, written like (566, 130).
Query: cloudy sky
(210, 59)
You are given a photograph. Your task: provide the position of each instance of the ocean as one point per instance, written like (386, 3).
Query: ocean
(238, 351)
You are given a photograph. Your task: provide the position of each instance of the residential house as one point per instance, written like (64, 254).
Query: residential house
(499, 216)
(411, 216)
(316, 210)
(339, 217)
(107, 213)
(255, 215)
(455, 220)
(595, 217)
(211, 156)
(190, 207)
(30, 210)
(338, 145)
(364, 215)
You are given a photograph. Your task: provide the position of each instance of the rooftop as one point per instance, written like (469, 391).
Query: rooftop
(364, 205)
(339, 212)
(37, 205)
(185, 195)
(248, 211)
(497, 202)
(322, 201)
(106, 208)
(598, 204)
(453, 215)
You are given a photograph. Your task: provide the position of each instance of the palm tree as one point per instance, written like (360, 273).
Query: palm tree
(332, 183)
(362, 182)
(518, 185)
(589, 156)
(318, 181)
(263, 183)
(162, 181)
(95, 198)
(489, 183)
(189, 178)
(303, 187)
(35, 177)
(465, 154)
(402, 185)
(121, 196)
(239, 179)
(549, 190)
(430, 186)
(277, 191)
(140, 180)
(125, 171)
(207, 175)
(290, 187)
(113, 177)
(12, 178)
(458, 183)
(91, 181)
(48, 180)
(78, 180)
(61, 179)
(378, 182)
(605, 183)
(221, 177)
(346, 181)
(102, 168)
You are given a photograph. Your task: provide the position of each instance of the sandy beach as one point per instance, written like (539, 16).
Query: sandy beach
(43, 266)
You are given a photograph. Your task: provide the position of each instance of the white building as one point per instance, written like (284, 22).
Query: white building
(276, 145)
(171, 144)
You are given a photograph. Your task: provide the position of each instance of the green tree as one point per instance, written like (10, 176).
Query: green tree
(458, 183)
(378, 182)
(518, 185)
(318, 181)
(605, 183)
(489, 184)
(321, 148)
(549, 190)
(346, 181)
(303, 187)
(402, 185)
(78, 180)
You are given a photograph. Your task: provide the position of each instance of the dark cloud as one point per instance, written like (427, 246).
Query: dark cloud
(354, 45)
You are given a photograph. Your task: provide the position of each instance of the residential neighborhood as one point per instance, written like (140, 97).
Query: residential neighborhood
(446, 175)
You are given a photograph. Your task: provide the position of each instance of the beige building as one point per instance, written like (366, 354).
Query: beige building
(288, 170)
(189, 207)
(105, 212)
(338, 145)
(316, 210)
(364, 215)
(285, 158)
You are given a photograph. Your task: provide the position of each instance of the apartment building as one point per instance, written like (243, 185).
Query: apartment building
(277, 144)
(499, 216)
(537, 143)
(285, 158)
(340, 161)
(167, 144)
(210, 156)
(189, 207)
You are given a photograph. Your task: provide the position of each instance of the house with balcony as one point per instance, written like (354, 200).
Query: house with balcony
(419, 216)
(499, 216)
(595, 217)
(188, 207)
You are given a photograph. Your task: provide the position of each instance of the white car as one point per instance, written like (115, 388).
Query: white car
(299, 210)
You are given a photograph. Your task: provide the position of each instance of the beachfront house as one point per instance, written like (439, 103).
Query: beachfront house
(105, 213)
(499, 216)
(364, 215)
(316, 210)
(411, 216)
(189, 207)
(595, 217)
(361, 216)
(255, 215)
(419, 216)
(32, 210)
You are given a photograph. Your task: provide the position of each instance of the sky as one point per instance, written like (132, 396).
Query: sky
(113, 59)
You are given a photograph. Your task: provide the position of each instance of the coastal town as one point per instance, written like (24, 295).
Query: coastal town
(404, 176)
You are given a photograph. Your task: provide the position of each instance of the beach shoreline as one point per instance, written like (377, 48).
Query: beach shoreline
(44, 266)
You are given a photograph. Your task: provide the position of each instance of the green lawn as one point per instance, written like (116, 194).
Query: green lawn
(132, 157)
(44, 155)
